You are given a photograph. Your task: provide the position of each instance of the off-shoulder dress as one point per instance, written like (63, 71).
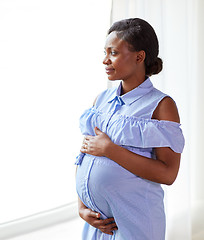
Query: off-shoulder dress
(104, 186)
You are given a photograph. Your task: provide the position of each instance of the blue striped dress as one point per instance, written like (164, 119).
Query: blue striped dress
(104, 186)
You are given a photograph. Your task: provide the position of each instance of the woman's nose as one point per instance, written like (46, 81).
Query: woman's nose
(106, 60)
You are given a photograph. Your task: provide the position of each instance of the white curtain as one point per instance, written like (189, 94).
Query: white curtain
(50, 57)
(179, 26)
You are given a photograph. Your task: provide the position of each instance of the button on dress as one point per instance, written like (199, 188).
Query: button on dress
(104, 186)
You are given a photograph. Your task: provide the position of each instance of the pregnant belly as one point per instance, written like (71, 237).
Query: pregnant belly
(101, 182)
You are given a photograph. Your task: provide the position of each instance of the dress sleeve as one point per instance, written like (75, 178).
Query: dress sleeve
(135, 132)
(88, 121)
(149, 133)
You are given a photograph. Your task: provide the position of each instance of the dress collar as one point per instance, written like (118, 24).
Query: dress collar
(133, 95)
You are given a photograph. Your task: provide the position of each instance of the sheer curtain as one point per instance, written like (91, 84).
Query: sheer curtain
(179, 26)
(50, 58)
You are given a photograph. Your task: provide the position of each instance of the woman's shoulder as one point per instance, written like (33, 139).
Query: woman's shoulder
(167, 110)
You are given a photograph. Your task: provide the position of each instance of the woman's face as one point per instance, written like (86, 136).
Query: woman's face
(121, 63)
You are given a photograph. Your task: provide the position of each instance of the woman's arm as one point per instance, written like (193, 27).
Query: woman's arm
(162, 170)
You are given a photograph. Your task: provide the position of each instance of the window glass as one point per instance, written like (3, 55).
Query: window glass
(50, 71)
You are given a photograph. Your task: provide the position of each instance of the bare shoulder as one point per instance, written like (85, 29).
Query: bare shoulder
(167, 110)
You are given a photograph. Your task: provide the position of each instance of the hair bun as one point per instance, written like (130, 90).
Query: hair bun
(155, 68)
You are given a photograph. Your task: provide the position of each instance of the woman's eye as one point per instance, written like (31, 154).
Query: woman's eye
(113, 53)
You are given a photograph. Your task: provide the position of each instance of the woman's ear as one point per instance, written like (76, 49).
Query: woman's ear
(140, 57)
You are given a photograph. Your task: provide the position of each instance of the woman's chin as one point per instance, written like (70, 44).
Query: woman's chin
(111, 78)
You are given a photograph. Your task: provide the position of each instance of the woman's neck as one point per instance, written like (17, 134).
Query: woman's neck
(128, 86)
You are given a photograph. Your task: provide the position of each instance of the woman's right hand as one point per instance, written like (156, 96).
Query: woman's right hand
(93, 218)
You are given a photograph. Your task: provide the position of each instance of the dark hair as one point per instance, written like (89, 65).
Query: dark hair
(141, 36)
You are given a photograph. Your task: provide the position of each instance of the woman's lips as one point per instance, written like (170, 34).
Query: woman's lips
(109, 70)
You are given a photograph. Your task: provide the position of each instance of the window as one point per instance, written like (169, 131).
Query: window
(50, 71)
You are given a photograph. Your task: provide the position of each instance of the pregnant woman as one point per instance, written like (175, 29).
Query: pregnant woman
(132, 144)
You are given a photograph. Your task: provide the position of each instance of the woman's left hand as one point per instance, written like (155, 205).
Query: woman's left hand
(96, 145)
